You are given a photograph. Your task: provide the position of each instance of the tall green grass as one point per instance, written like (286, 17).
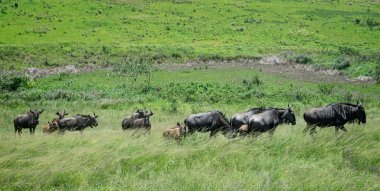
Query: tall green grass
(106, 158)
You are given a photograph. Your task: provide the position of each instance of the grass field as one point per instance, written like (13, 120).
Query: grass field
(115, 37)
(329, 33)
(106, 158)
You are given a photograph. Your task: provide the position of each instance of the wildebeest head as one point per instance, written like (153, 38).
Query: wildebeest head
(289, 116)
(61, 114)
(35, 115)
(92, 120)
(139, 113)
(361, 114)
(52, 125)
(147, 114)
(182, 129)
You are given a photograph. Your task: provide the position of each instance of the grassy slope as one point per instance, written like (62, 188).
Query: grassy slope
(45, 34)
(104, 158)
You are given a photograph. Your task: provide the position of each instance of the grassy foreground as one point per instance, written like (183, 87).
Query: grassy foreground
(105, 158)
(336, 34)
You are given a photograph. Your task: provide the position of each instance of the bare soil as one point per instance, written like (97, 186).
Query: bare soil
(276, 66)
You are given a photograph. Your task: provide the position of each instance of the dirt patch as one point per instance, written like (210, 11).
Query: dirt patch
(40, 72)
(275, 65)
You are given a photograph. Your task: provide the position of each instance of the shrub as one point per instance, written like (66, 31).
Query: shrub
(303, 59)
(348, 51)
(326, 89)
(10, 82)
(341, 64)
(377, 74)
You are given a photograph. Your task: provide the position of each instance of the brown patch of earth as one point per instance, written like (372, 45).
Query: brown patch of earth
(278, 66)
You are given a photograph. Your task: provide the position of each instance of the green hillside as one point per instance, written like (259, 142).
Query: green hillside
(53, 33)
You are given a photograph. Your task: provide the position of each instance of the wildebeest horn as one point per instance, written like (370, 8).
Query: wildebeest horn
(30, 110)
(57, 113)
(42, 110)
(178, 124)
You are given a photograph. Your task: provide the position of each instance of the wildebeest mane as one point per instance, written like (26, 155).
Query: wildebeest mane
(224, 117)
(257, 108)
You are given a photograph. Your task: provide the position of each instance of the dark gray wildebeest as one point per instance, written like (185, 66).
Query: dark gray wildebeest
(212, 121)
(53, 125)
(27, 121)
(242, 118)
(337, 114)
(77, 123)
(270, 119)
(143, 122)
(128, 121)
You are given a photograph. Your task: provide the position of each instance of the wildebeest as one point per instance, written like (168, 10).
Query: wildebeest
(27, 121)
(270, 119)
(143, 122)
(242, 118)
(176, 132)
(53, 125)
(243, 130)
(77, 123)
(50, 127)
(337, 114)
(213, 121)
(128, 121)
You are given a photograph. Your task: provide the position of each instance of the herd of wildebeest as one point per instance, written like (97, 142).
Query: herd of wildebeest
(250, 122)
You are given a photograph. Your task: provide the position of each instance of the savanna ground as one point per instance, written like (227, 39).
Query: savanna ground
(114, 36)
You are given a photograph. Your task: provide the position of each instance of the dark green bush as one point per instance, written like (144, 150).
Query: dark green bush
(344, 50)
(10, 82)
(377, 74)
(303, 59)
(341, 64)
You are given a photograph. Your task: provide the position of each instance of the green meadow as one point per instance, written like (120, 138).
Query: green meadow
(119, 37)
(342, 35)
(106, 158)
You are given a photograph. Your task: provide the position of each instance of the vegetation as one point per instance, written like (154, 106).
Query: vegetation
(107, 158)
(126, 40)
(55, 33)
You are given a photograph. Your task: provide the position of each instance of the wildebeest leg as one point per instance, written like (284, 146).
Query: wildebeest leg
(307, 128)
(343, 129)
(213, 133)
(337, 130)
(31, 130)
(312, 130)
(271, 132)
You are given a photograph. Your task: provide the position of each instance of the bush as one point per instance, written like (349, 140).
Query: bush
(10, 82)
(341, 64)
(377, 74)
(348, 51)
(302, 59)
(326, 89)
